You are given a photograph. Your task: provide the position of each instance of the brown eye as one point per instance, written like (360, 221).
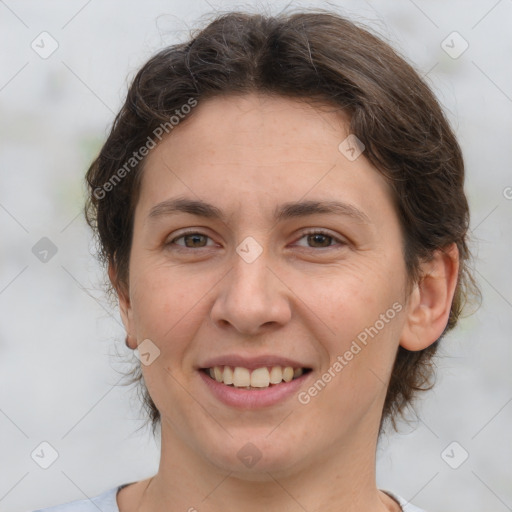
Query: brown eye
(193, 240)
(320, 240)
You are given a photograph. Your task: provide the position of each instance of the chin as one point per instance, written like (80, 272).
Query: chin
(252, 458)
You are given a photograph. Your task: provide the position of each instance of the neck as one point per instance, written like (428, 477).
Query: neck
(342, 479)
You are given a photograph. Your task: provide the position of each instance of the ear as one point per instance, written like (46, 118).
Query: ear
(430, 301)
(125, 308)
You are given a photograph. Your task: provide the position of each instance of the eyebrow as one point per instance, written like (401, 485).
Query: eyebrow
(282, 212)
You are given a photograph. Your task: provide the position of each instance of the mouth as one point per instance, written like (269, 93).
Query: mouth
(254, 379)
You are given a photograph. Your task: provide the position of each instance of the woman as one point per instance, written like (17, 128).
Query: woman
(280, 206)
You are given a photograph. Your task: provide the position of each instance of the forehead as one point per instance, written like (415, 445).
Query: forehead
(254, 149)
(233, 128)
(256, 121)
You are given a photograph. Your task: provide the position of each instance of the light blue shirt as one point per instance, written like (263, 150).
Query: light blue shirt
(107, 502)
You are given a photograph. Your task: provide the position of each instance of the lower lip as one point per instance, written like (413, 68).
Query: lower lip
(252, 399)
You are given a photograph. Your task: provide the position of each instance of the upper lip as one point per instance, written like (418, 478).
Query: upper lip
(251, 363)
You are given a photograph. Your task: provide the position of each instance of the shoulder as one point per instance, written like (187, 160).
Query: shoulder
(106, 502)
(406, 506)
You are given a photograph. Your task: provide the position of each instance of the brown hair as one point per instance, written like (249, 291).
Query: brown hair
(314, 56)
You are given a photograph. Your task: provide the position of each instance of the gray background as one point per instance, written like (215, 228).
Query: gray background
(61, 343)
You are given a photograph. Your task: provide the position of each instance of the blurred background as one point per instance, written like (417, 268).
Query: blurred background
(69, 429)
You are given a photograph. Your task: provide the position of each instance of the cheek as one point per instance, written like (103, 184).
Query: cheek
(352, 296)
(161, 299)
(361, 304)
(360, 362)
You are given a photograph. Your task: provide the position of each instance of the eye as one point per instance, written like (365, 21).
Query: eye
(193, 240)
(320, 239)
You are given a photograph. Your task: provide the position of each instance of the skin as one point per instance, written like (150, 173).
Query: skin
(305, 298)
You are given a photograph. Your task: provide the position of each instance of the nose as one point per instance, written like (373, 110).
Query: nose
(251, 299)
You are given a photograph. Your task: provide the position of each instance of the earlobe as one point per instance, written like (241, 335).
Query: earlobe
(124, 306)
(131, 342)
(431, 299)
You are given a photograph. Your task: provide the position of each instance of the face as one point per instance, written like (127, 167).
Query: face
(265, 276)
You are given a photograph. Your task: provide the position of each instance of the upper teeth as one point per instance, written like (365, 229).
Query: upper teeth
(258, 378)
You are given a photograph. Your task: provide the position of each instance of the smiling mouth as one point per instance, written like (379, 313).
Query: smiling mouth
(259, 378)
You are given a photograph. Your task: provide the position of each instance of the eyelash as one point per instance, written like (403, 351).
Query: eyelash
(305, 233)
